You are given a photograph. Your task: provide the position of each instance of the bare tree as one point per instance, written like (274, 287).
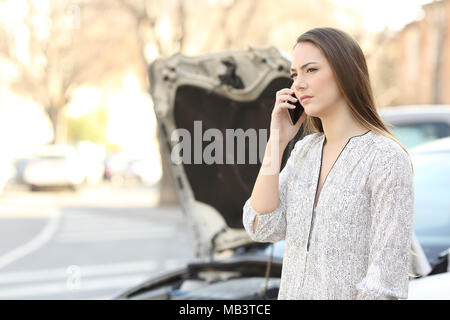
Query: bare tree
(56, 51)
(147, 16)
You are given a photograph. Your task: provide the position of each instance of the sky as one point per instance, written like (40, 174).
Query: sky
(393, 14)
(377, 14)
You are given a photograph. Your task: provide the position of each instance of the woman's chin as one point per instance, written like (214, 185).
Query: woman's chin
(311, 111)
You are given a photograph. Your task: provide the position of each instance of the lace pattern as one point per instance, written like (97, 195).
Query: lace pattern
(360, 233)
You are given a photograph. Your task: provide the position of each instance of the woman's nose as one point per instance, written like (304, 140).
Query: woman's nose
(299, 84)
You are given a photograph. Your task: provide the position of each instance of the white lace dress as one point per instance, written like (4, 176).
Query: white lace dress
(356, 243)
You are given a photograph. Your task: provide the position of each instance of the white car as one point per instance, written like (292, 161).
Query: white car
(434, 287)
(432, 218)
(414, 125)
(54, 166)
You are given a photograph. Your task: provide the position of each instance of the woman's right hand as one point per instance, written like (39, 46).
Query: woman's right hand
(281, 119)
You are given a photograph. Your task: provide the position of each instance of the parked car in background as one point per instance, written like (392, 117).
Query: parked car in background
(435, 286)
(54, 166)
(121, 168)
(432, 196)
(115, 165)
(417, 124)
(92, 158)
(236, 89)
(146, 170)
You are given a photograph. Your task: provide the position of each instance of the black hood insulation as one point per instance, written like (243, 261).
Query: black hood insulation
(225, 186)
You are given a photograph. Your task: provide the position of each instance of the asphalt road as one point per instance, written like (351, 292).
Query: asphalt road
(90, 244)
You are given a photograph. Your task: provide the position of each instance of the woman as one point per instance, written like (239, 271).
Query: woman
(344, 201)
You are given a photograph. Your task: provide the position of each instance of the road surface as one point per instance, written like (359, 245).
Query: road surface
(89, 244)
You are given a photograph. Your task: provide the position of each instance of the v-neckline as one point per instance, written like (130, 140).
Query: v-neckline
(316, 203)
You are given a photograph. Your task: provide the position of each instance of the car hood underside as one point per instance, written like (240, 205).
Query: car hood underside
(230, 90)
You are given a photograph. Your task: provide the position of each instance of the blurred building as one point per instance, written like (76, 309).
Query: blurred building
(422, 57)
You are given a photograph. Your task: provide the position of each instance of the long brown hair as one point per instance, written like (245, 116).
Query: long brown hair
(349, 66)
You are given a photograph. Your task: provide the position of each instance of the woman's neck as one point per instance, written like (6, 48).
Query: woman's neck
(341, 126)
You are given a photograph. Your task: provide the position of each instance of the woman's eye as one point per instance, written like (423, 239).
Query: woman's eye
(293, 75)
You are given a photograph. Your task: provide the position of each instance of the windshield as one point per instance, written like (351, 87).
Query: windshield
(412, 135)
(432, 198)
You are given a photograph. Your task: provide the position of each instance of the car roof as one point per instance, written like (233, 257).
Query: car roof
(437, 146)
(417, 108)
(416, 113)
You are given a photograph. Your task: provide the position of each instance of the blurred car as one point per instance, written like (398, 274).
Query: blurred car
(435, 286)
(54, 166)
(115, 165)
(230, 89)
(418, 124)
(120, 169)
(432, 217)
(235, 89)
(92, 157)
(432, 189)
(146, 170)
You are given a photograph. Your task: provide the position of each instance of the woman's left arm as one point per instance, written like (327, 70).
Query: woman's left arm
(392, 210)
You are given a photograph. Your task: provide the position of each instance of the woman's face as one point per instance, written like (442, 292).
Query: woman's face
(315, 79)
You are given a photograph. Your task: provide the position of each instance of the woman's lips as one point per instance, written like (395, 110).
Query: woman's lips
(306, 99)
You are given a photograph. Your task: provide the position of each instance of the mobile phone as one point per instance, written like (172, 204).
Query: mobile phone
(297, 112)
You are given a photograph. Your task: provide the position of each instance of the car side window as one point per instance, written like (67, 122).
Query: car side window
(414, 134)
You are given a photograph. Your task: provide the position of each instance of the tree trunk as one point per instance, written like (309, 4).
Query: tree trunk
(167, 189)
(59, 124)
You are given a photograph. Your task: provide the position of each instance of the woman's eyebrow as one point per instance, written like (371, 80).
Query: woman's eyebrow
(303, 66)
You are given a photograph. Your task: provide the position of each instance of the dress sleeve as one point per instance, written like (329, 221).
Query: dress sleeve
(271, 226)
(392, 211)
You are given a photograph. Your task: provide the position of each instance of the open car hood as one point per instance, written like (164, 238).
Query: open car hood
(224, 90)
